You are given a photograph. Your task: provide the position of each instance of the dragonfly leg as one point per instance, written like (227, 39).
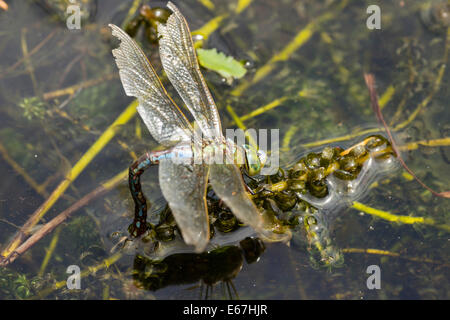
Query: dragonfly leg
(249, 190)
(139, 225)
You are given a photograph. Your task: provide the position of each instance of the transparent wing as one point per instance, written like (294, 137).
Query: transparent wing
(227, 182)
(184, 187)
(163, 118)
(181, 66)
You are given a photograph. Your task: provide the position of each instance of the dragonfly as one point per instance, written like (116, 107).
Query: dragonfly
(186, 166)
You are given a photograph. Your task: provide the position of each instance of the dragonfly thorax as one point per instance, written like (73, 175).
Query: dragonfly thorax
(223, 151)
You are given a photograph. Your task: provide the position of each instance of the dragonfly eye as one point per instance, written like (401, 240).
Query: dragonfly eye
(252, 160)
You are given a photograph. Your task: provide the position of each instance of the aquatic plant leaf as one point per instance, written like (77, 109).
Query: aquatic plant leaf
(226, 66)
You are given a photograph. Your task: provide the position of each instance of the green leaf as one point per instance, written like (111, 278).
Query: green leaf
(227, 67)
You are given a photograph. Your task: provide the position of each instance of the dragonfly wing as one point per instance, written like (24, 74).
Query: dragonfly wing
(163, 118)
(181, 66)
(184, 187)
(227, 182)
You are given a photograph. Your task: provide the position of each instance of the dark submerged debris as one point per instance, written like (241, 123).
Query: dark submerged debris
(148, 19)
(435, 15)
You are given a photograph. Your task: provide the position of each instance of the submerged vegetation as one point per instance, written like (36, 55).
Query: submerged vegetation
(67, 138)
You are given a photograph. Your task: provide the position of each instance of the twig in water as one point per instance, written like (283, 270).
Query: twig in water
(52, 224)
(370, 82)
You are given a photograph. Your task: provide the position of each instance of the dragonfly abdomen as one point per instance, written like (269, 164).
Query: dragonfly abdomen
(139, 225)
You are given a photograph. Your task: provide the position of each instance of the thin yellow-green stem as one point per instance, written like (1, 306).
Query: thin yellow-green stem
(27, 60)
(65, 115)
(17, 168)
(442, 142)
(386, 96)
(131, 12)
(385, 215)
(341, 138)
(288, 137)
(211, 26)
(30, 53)
(208, 28)
(391, 254)
(208, 4)
(49, 252)
(241, 125)
(242, 5)
(275, 103)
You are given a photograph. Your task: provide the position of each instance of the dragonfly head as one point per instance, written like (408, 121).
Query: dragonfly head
(254, 159)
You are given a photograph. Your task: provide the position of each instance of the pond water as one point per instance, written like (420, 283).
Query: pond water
(305, 60)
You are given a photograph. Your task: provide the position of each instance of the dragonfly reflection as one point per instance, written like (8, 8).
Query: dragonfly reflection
(183, 179)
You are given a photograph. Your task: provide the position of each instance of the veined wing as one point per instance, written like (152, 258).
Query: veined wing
(163, 118)
(181, 66)
(184, 187)
(227, 182)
